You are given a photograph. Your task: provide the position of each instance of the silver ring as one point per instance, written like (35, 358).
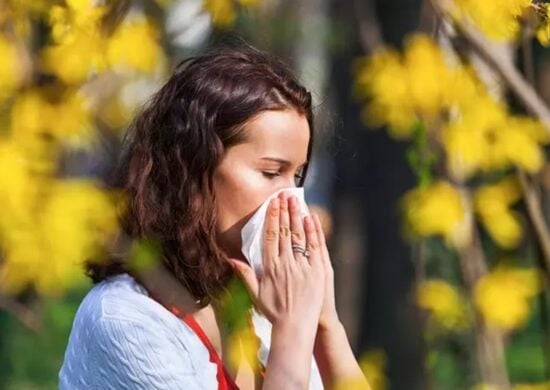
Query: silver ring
(300, 249)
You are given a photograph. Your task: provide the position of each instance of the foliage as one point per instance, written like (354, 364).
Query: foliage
(469, 149)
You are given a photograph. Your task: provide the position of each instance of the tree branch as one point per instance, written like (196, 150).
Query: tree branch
(25, 315)
(503, 65)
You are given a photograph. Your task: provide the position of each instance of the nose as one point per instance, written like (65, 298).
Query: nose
(286, 184)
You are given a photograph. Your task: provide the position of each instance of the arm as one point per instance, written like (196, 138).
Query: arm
(289, 362)
(335, 359)
(333, 354)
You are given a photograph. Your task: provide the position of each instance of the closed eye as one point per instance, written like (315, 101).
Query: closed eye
(273, 174)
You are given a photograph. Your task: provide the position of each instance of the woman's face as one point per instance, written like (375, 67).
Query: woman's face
(271, 158)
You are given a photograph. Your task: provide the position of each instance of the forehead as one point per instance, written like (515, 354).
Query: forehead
(283, 133)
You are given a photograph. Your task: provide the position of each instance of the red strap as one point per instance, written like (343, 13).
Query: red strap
(225, 382)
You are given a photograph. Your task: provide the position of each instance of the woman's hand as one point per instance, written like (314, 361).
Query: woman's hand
(289, 289)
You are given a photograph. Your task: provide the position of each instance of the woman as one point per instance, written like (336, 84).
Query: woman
(226, 131)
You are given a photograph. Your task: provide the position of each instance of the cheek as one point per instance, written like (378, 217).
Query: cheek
(237, 197)
(239, 193)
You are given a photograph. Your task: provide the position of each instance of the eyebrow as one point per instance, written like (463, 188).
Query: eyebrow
(281, 161)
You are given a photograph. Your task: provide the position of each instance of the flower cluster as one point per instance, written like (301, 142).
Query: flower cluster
(438, 210)
(503, 296)
(447, 307)
(493, 205)
(418, 85)
(499, 20)
(50, 225)
(474, 132)
(81, 46)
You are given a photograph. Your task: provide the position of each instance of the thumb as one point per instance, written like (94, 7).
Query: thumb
(247, 275)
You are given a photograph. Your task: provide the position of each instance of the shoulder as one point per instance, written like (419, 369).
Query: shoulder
(121, 297)
(121, 338)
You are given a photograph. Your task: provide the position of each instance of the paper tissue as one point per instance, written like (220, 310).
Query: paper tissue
(252, 249)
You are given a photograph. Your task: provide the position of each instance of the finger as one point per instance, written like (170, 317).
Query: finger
(248, 276)
(285, 246)
(298, 235)
(312, 241)
(321, 238)
(271, 234)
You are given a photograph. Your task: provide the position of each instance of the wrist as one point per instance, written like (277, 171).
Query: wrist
(290, 354)
(330, 333)
(292, 326)
(329, 324)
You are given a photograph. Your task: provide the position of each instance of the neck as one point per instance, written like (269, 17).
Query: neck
(169, 292)
(166, 289)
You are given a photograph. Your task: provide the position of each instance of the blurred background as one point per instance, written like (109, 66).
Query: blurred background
(429, 169)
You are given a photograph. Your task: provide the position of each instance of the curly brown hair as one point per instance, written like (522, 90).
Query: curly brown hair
(173, 147)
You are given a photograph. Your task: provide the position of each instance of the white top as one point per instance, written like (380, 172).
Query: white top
(123, 339)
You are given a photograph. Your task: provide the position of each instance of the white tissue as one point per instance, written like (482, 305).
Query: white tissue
(252, 248)
(253, 230)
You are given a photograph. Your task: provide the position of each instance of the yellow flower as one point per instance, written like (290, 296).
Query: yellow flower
(30, 115)
(221, 11)
(79, 45)
(80, 5)
(74, 123)
(463, 87)
(428, 75)
(373, 365)
(76, 57)
(418, 85)
(383, 79)
(69, 226)
(502, 296)
(468, 140)
(492, 204)
(521, 142)
(37, 124)
(499, 20)
(121, 50)
(76, 222)
(78, 17)
(443, 301)
(438, 209)
(48, 228)
(18, 187)
(484, 137)
(10, 68)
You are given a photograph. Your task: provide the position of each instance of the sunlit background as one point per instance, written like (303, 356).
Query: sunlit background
(429, 171)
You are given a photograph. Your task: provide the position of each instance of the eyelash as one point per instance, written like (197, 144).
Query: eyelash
(271, 175)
